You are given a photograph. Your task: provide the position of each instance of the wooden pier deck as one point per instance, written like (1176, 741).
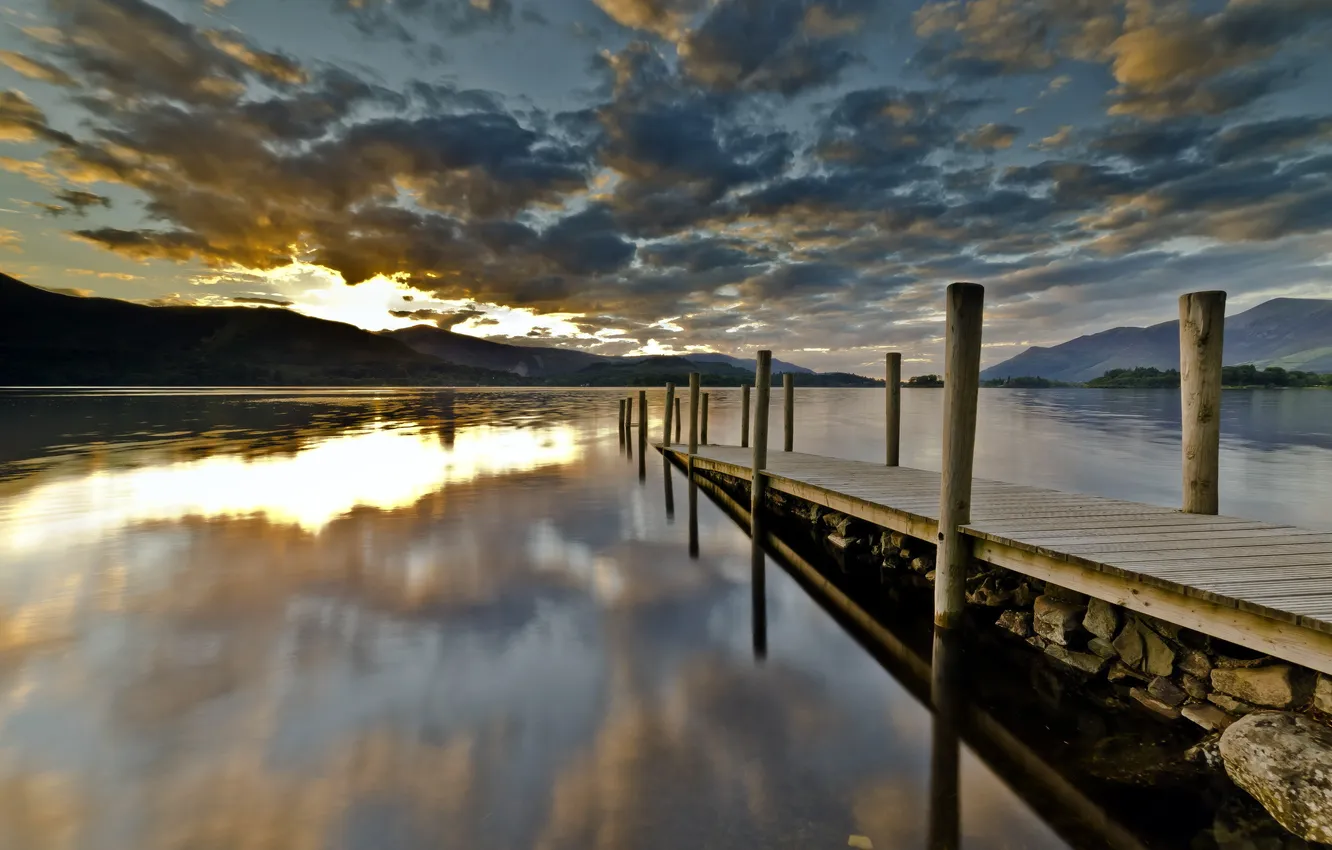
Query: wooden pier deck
(1262, 586)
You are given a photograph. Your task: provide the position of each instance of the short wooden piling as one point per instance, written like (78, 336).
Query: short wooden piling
(893, 407)
(666, 414)
(788, 399)
(1202, 321)
(703, 427)
(744, 416)
(762, 388)
(966, 307)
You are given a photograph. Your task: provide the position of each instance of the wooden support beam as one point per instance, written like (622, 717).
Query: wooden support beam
(893, 407)
(962, 351)
(1202, 320)
(621, 422)
(744, 416)
(679, 420)
(666, 414)
(642, 435)
(788, 399)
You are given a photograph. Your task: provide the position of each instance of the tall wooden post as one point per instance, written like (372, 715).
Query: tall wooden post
(628, 413)
(788, 399)
(621, 421)
(762, 387)
(744, 416)
(666, 414)
(679, 420)
(1202, 321)
(893, 410)
(966, 306)
(703, 427)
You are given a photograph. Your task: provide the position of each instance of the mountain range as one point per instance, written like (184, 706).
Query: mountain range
(52, 339)
(1293, 333)
(530, 361)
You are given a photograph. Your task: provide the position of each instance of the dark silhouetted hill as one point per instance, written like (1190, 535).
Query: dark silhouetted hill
(47, 338)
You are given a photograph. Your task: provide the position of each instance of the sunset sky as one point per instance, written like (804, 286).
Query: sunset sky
(655, 175)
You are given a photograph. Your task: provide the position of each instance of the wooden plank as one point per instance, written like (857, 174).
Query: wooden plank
(1183, 540)
(1323, 549)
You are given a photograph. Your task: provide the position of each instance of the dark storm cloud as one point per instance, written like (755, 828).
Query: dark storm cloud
(717, 171)
(446, 320)
(260, 301)
(74, 200)
(135, 50)
(402, 19)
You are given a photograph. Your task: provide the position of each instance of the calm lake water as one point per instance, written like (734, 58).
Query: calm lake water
(373, 620)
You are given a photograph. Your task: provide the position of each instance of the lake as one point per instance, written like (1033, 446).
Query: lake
(392, 619)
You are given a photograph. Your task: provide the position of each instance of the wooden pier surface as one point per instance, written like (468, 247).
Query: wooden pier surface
(1266, 587)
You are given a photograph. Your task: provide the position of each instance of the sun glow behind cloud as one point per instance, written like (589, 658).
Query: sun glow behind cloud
(384, 469)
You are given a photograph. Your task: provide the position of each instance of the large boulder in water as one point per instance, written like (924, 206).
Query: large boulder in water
(1285, 762)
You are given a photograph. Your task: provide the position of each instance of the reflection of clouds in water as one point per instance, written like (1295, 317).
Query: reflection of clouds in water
(381, 469)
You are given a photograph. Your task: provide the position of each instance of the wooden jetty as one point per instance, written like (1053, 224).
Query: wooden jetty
(1262, 586)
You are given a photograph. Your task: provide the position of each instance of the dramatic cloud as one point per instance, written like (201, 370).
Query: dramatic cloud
(701, 172)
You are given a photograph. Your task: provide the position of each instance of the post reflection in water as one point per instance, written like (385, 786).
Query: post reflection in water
(642, 454)
(693, 517)
(945, 693)
(670, 487)
(758, 599)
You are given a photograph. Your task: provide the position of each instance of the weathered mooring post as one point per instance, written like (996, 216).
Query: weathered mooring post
(762, 387)
(966, 306)
(1202, 321)
(621, 422)
(744, 416)
(703, 427)
(678, 418)
(893, 406)
(788, 400)
(666, 415)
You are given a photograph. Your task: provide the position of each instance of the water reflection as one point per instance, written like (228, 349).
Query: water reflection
(374, 621)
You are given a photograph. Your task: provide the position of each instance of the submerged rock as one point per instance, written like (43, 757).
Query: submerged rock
(1285, 762)
(1277, 686)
